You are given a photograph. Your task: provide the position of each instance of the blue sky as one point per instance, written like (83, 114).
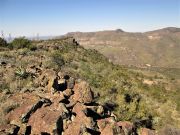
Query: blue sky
(56, 17)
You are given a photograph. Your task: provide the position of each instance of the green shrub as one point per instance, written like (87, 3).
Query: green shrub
(32, 47)
(21, 42)
(21, 73)
(58, 59)
(3, 42)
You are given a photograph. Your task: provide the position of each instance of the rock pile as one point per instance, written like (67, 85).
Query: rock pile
(65, 107)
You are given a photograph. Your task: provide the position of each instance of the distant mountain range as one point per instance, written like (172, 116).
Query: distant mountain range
(158, 48)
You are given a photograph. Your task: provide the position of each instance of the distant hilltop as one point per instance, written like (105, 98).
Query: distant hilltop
(158, 48)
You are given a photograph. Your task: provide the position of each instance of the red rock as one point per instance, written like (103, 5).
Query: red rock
(73, 129)
(109, 130)
(81, 117)
(126, 126)
(81, 120)
(83, 93)
(108, 126)
(45, 119)
(26, 101)
(102, 123)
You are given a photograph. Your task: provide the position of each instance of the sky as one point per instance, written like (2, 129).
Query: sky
(57, 17)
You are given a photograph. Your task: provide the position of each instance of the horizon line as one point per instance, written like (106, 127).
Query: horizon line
(76, 31)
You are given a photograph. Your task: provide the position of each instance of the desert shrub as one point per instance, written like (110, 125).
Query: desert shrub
(4, 86)
(58, 59)
(21, 73)
(21, 42)
(3, 42)
(32, 47)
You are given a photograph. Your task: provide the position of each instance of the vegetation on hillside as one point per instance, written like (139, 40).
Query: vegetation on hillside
(3, 42)
(131, 95)
(18, 43)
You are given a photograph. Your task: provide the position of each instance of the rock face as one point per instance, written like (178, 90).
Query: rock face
(63, 108)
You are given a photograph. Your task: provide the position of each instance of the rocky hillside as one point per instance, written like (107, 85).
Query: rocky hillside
(66, 107)
(158, 48)
(58, 87)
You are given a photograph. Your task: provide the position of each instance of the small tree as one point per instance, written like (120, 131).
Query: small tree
(3, 42)
(21, 42)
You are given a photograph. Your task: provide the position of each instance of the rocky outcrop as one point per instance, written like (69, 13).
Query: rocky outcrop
(65, 107)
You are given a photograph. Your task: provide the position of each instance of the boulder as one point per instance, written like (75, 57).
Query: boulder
(112, 130)
(26, 116)
(108, 126)
(80, 111)
(83, 93)
(102, 123)
(79, 120)
(48, 119)
(25, 102)
(127, 127)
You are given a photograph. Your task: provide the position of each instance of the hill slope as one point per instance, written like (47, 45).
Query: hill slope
(158, 48)
(130, 95)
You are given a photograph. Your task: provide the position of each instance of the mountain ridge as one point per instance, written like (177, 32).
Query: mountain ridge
(170, 29)
(158, 48)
